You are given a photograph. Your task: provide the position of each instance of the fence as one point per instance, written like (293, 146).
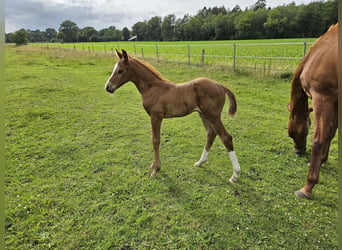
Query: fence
(263, 57)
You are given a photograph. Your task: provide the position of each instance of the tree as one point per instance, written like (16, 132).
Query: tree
(140, 30)
(168, 27)
(36, 36)
(191, 29)
(329, 13)
(236, 8)
(19, 37)
(179, 32)
(308, 20)
(224, 27)
(208, 30)
(244, 25)
(154, 29)
(68, 31)
(260, 4)
(125, 34)
(86, 33)
(50, 33)
(280, 21)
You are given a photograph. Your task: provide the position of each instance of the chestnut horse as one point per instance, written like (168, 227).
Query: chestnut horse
(164, 99)
(316, 78)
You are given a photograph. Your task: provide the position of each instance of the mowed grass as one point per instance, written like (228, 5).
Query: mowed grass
(77, 165)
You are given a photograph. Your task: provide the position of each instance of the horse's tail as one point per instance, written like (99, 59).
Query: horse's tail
(232, 101)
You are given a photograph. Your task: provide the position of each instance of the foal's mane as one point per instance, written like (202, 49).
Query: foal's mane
(148, 66)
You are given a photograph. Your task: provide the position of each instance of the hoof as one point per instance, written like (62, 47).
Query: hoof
(232, 179)
(197, 164)
(300, 194)
(154, 173)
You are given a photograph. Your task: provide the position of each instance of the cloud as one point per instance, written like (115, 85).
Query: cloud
(42, 14)
(34, 14)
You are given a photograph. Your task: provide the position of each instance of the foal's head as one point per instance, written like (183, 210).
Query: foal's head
(121, 72)
(298, 128)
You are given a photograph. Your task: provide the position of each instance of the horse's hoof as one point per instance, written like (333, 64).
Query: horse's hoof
(300, 194)
(154, 173)
(197, 164)
(232, 179)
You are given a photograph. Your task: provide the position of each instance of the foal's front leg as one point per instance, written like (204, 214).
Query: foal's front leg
(156, 124)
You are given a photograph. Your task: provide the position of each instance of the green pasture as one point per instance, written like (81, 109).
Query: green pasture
(265, 56)
(77, 164)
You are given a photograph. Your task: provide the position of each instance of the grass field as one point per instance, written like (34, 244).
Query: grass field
(257, 55)
(77, 164)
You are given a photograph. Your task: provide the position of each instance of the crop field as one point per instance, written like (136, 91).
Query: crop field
(77, 164)
(265, 56)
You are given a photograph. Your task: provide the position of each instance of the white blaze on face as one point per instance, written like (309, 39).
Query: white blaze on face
(115, 67)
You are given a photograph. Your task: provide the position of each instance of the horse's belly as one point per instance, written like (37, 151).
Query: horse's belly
(179, 108)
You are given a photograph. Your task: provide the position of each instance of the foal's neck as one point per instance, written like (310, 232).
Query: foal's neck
(145, 78)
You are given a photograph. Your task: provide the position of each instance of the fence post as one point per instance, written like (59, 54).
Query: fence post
(157, 53)
(234, 58)
(202, 59)
(189, 54)
(304, 48)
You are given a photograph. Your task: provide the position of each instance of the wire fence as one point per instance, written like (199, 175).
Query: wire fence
(261, 57)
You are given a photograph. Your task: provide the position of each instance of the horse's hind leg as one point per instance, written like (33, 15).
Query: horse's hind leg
(228, 142)
(211, 135)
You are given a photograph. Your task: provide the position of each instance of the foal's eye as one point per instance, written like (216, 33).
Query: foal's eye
(120, 71)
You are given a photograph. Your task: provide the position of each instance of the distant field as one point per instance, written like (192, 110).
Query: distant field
(77, 164)
(261, 55)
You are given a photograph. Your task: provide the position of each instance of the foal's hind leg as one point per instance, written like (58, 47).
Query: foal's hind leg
(228, 142)
(211, 135)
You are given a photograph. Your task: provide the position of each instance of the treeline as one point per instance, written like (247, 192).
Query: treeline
(68, 32)
(217, 23)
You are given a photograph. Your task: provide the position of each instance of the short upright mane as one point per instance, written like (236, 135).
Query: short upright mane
(148, 66)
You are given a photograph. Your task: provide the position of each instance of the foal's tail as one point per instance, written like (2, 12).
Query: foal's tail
(232, 101)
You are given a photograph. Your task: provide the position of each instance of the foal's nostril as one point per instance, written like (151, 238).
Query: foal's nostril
(108, 89)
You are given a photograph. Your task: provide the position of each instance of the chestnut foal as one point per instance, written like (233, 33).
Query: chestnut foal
(164, 99)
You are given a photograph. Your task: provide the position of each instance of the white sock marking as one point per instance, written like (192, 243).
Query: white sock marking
(236, 166)
(203, 158)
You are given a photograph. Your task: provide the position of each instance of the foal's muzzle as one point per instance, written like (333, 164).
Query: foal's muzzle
(109, 89)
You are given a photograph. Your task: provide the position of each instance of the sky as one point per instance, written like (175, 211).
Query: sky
(100, 14)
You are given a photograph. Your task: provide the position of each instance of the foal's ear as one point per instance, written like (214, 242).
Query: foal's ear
(124, 54)
(118, 54)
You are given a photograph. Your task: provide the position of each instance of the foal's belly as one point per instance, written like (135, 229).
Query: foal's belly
(182, 102)
(179, 108)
